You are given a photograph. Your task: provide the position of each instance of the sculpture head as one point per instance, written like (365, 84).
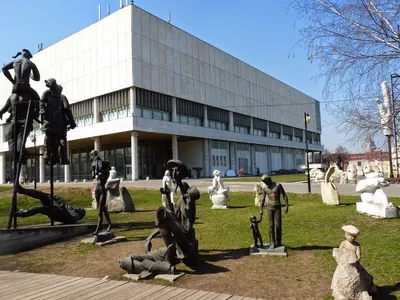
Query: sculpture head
(350, 232)
(25, 53)
(167, 173)
(216, 173)
(253, 219)
(51, 83)
(266, 179)
(94, 153)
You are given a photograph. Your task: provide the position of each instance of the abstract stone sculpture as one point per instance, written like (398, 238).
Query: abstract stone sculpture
(118, 197)
(258, 189)
(100, 171)
(272, 194)
(374, 200)
(351, 280)
(317, 174)
(329, 192)
(62, 212)
(56, 117)
(219, 195)
(176, 230)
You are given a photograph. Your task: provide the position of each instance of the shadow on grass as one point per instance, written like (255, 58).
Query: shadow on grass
(139, 225)
(204, 267)
(236, 207)
(224, 254)
(312, 247)
(347, 204)
(384, 292)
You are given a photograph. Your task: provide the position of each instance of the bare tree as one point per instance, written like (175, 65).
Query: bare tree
(356, 46)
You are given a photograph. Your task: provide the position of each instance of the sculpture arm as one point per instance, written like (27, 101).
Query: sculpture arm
(5, 108)
(250, 226)
(35, 75)
(6, 71)
(262, 203)
(68, 113)
(285, 197)
(147, 244)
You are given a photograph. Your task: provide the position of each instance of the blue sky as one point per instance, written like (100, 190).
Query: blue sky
(262, 34)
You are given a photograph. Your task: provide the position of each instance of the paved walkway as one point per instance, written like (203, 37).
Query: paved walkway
(28, 286)
(294, 187)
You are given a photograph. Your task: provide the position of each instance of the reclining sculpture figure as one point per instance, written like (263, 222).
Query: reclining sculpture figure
(176, 230)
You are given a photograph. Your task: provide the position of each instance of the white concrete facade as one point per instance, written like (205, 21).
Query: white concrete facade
(132, 49)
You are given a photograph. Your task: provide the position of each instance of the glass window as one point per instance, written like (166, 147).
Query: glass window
(221, 161)
(213, 160)
(217, 157)
(138, 111)
(225, 161)
(166, 116)
(147, 114)
(192, 121)
(199, 122)
(157, 115)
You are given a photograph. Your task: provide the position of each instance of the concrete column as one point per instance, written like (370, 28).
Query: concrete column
(232, 156)
(205, 119)
(174, 113)
(96, 112)
(134, 156)
(132, 100)
(96, 145)
(231, 124)
(253, 159)
(2, 139)
(2, 167)
(206, 149)
(251, 126)
(67, 168)
(41, 165)
(174, 147)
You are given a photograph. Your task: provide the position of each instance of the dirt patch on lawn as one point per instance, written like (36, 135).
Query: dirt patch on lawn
(232, 271)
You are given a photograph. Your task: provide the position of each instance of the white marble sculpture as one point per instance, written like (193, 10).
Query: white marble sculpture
(352, 173)
(374, 200)
(258, 189)
(329, 192)
(385, 111)
(350, 280)
(219, 194)
(113, 174)
(167, 183)
(317, 174)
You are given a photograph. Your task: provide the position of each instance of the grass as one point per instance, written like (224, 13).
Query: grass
(277, 178)
(309, 228)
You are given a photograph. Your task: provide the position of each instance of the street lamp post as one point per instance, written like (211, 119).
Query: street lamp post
(307, 119)
(33, 140)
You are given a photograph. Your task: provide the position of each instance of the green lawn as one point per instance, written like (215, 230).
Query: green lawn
(276, 178)
(310, 227)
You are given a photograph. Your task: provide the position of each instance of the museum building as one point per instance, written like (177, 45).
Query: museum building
(144, 91)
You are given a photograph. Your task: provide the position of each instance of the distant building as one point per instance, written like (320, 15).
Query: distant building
(144, 91)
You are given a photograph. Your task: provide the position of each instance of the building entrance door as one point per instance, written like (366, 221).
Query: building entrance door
(244, 163)
(128, 172)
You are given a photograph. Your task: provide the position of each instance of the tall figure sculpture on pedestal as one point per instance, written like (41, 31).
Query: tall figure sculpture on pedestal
(57, 119)
(23, 105)
(100, 171)
(272, 194)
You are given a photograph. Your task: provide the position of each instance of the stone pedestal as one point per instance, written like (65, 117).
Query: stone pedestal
(219, 202)
(278, 251)
(378, 210)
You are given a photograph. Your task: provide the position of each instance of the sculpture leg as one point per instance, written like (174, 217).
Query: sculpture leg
(98, 199)
(47, 145)
(278, 223)
(62, 151)
(255, 238)
(271, 226)
(28, 212)
(260, 239)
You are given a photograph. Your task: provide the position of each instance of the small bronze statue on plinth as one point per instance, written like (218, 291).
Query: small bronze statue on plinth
(100, 172)
(256, 232)
(57, 119)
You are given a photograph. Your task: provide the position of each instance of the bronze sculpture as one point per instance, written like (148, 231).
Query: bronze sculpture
(256, 231)
(63, 212)
(176, 230)
(272, 193)
(100, 172)
(57, 119)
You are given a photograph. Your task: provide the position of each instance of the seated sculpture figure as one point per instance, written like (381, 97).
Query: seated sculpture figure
(219, 195)
(176, 230)
(351, 280)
